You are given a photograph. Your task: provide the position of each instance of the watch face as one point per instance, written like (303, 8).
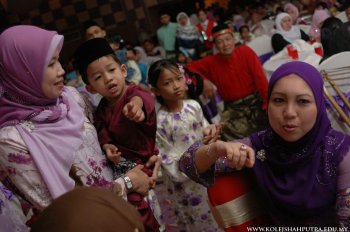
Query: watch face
(128, 182)
(129, 185)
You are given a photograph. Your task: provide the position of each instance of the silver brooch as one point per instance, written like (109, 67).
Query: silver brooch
(261, 155)
(28, 125)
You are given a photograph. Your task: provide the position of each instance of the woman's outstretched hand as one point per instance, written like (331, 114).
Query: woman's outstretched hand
(239, 154)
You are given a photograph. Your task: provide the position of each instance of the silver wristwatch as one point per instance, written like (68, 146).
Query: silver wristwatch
(128, 183)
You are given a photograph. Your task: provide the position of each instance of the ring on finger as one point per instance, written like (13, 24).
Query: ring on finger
(243, 147)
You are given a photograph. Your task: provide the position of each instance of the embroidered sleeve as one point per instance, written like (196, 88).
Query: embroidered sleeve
(19, 170)
(343, 207)
(187, 166)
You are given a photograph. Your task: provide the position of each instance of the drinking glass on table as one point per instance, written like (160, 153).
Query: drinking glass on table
(292, 52)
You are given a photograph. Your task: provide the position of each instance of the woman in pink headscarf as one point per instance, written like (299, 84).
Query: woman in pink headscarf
(48, 144)
(293, 11)
(317, 20)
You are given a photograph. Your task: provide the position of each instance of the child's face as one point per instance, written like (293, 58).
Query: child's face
(171, 85)
(130, 55)
(94, 32)
(181, 58)
(148, 46)
(245, 34)
(114, 45)
(202, 16)
(107, 78)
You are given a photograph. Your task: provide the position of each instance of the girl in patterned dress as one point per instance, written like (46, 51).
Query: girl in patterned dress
(179, 123)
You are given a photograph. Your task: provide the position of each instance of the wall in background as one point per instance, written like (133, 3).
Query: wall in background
(129, 18)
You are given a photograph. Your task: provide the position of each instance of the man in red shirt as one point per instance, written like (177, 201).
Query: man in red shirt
(239, 77)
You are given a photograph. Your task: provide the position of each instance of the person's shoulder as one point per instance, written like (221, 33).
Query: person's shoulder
(82, 98)
(244, 49)
(72, 90)
(276, 35)
(193, 104)
(133, 87)
(172, 24)
(74, 93)
(10, 135)
(137, 90)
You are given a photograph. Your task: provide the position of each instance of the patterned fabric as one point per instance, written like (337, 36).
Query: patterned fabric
(17, 165)
(11, 217)
(343, 207)
(183, 202)
(243, 117)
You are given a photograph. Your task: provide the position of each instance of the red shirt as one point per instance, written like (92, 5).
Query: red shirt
(135, 140)
(235, 76)
(207, 31)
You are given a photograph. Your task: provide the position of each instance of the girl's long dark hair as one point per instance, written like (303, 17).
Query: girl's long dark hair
(193, 80)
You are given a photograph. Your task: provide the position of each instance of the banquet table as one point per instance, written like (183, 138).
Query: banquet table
(306, 53)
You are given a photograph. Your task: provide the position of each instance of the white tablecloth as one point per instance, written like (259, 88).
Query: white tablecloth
(306, 54)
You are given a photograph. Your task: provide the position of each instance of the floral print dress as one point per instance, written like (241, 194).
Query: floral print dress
(19, 173)
(183, 202)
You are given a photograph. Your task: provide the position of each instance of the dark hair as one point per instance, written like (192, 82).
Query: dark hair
(323, 5)
(164, 12)
(201, 9)
(242, 27)
(341, 40)
(89, 24)
(131, 49)
(195, 88)
(327, 29)
(155, 70)
(346, 5)
(115, 39)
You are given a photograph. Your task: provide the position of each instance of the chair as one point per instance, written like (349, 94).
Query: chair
(262, 47)
(336, 72)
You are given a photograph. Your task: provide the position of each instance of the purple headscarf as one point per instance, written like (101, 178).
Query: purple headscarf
(51, 128)
(299, 179)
